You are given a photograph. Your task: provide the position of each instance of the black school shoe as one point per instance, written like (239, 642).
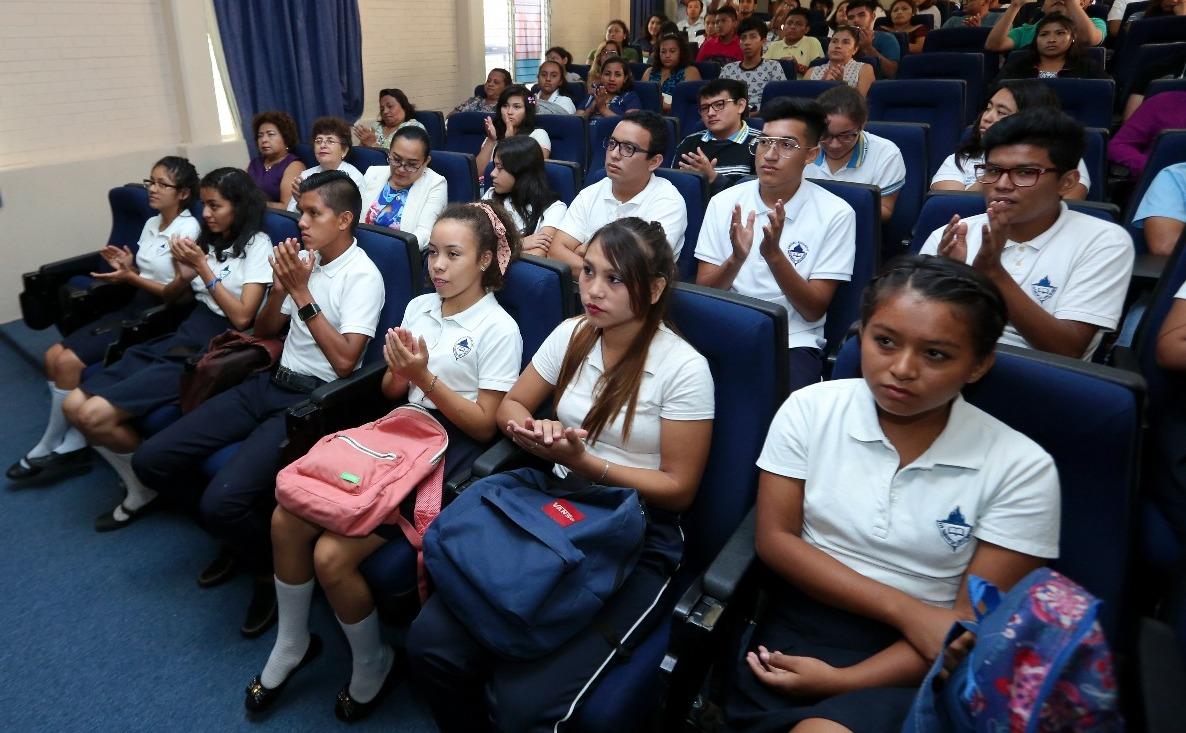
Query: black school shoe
(220, 570)
(260, 698)
(349, 710)
(261, 612)
(50, 466)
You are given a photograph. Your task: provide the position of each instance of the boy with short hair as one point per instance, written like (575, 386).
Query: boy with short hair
(752, 69)
(796, 45)
(722, 150)
(725, 46)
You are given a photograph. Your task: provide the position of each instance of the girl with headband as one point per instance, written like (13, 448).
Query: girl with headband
(456, 354)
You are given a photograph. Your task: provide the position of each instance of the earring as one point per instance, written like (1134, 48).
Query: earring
(483, 269)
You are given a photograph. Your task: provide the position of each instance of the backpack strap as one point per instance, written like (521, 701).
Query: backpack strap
(426, 509)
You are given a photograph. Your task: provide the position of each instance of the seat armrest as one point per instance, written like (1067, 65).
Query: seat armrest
(342, 403)
(1148, 266)
(365, 381)
(705, 600)
(71, 266)
(496, 458)
(1162, 677)
(1123, 357)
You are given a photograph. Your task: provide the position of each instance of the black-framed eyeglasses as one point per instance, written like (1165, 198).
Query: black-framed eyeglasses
(784, 146)
(410, 166)
(844, 138)
(716, 106)
(625, 149)
(150, 182)
(1022, 176)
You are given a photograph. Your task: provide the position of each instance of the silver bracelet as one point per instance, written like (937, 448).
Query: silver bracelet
(604, 473)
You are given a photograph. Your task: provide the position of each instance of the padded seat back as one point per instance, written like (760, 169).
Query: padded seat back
(129, 211)
(465, 132)
(968, 66)
(564, 178)
(935, 102)
(537, 293)
(397, 256)
(685, 105)
(460, 171)
(362, 157)
(570, 137)
(913, 140)
(280, 225)
(434, 124)
(1089, 101)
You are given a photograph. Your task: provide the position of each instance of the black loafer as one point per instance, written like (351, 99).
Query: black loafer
(260, 698)
(48, 466)
(220, 570)
(261, 612)
(349, 710)
(106, 522)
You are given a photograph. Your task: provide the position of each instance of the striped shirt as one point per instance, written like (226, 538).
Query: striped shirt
(732, 154)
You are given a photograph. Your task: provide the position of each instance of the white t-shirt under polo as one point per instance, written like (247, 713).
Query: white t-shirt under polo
(966, 174)
(676, 385)
(551, 217)
(350, 292)
(154, 260)
(914, 529)
(874, 160)
(819, 238)
(235, 272)
(478, 348)
(1077, 270)
(595, 206)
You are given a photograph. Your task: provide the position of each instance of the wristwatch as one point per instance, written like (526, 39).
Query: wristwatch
(308, 311)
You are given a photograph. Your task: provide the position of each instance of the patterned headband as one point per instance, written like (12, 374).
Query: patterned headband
(503, 255)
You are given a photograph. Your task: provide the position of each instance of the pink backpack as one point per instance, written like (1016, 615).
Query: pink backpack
(352, 481)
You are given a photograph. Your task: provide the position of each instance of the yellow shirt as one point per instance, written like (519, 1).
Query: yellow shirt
(806, 50)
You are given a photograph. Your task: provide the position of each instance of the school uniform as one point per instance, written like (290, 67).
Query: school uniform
(595, 206)
(1165, 197)
(238, 501)
(874, 160)
(965, 171)
(819, 239)
(419, 207)
(914, 529)
(354, 173)
(1077, 270)
(694, 31)
(155, 262)
(619, 104)
(551, 217)
(455, 671)
(148, 375)
(732, 154)
(566, 105)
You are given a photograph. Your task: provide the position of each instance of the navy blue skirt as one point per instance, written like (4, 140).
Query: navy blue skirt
(798, 625)
(89, 343)
(149, 374)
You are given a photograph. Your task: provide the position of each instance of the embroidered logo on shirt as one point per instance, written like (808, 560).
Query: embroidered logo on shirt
(226, 270)
(463, 346)
(796, 252)
(954, 530)
(1043, 290)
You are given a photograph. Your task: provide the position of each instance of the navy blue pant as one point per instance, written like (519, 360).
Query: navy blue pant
(238, 501)
(807, 365)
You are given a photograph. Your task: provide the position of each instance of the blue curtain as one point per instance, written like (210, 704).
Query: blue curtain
(640, 13)
(300, 56)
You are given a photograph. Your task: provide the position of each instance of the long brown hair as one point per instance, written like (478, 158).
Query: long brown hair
(640, 254)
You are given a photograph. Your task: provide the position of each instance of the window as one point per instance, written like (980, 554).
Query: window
(227, 125)
(516, 35)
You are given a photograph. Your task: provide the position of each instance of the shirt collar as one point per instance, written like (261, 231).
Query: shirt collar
(1044, 238)
(793, 208)
(339, 262)
(859, 153)
(740, 137)
(184, 213)
(653, 355)
(959, 444)
(470, 318)
(608, 193)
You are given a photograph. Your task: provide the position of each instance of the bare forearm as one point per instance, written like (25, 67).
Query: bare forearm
(1084, 28)
(718, 276)
(807, 300)
(998, 37)
(151, 287)
(466, 414)
(270, 320)
(1043, 331)
(898, 665)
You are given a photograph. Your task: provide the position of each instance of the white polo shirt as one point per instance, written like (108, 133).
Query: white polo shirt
(966, 174)
(235, 272)
(1181, 294)
(1077, 270)
(874, 160)
(153, 258)
(551, 217)
(676, 385)
(479, 348)
(595, 206)
(354, 173)
(350, 292)
(557, 98)
(819, 238)
(913, 529)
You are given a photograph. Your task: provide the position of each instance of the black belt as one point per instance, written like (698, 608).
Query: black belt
(290, 380)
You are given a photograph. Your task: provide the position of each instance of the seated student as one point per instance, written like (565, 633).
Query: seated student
(515, 115)
(337, 293)
(977, 14)
(227, 271)
(842, 66)
(406, 195)
(618, 33)
(670, 65)
(901, 14)
(331, 142)
(1162, 211)
(848, 153)
(958, 172)
(838, 17)
(724, 47)
(472, 245)
(550, 90)
(395, 111)
(1064, 275)
(721, 151)
(1004, 37)
(519, 183)
(1053, 54)
(612, 95)
(172, 186)
(745, 9)
(693, 26)
(876, 502)
(1159, 9)
(613, 427)
(630, 188)
(496, 81)
(752, 69)
(607, 50)
(778, 17)
(874, 43)
(275, 168)
(1132, 143)
(781, 238)
(928, 7)
(796, 45)
(650, 41)
(560, 55)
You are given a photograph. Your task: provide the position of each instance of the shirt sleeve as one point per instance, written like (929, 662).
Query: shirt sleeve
(1166, 196)
(548, 359)
(713, 246)
(887, 45)
(949, 171)
(931, 246)
(785, 452)
(553, 216)
(1130, 146)
(541, 136)
(362, 300)
(1117, 10)
(576, 220)
(1098, 282)
(891, 174)
(1084, 175)
(688, 393)
(669, 210)
(258, 267)
(840, 248)
(500, 356)
(1023, 514)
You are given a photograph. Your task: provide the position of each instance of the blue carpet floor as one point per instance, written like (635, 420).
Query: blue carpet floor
(110, 632)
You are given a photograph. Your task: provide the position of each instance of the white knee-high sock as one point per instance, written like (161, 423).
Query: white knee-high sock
(56, 429)
(292, 632)
(372, 659)
(71, 441)
(138, 493)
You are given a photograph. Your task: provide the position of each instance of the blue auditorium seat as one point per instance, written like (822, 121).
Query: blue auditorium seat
(465, 132)
(564, 178)
(794, 88)
(570, 137)
(648, 92)
(685, 103)
(460, 171)
(1134, 52)
(581, 70)
(576, 90)
(637, 69)
(964, 40)
(709, 70)
(935, 102)
(434, 123)
(913, 139)
(949, 65)
(602, 128)
(1095, 152)
(304, 151)
(1157, 86)
(362, 157)
(1089, 101)
(1168, 148)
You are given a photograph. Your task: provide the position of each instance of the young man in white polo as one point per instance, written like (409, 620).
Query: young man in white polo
(781, 238)
(1064, 275)
(721, 151)
(630, 188)
(848, 153)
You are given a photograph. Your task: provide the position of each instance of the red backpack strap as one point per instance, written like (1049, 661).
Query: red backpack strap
(426, 509)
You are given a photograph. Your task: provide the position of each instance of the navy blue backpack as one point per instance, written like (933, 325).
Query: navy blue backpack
(527, 567)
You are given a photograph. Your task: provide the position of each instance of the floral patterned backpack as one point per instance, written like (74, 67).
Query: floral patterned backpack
(1040, 664)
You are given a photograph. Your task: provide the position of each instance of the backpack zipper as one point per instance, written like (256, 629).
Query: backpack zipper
(363, 449)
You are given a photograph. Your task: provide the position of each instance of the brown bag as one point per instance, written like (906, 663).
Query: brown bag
(231, 357)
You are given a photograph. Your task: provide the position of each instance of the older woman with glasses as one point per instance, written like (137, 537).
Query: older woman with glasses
(406, 195)
(331, 142)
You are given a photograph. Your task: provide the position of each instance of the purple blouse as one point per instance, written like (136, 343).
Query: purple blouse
(269, 180)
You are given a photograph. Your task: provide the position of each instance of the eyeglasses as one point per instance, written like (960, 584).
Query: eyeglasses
(716, 106)
(1022, 177)
(149, 183)
(319, 141)
(626, 150)
(784, 146)
(410, 166)
(844, 137)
